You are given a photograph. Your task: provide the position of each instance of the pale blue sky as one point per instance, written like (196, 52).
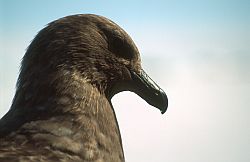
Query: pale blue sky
(197, 50)
(184, 12)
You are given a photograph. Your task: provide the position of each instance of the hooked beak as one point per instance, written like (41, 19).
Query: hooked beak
(147, 89)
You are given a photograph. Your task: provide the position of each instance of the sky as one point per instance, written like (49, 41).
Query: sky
(197, 51)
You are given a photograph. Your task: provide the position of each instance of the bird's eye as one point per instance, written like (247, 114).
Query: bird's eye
(121, 47)
(118, 44)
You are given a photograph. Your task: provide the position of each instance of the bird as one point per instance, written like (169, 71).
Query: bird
(62, 108)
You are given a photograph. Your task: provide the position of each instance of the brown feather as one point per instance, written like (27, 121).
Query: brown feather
(62, 108)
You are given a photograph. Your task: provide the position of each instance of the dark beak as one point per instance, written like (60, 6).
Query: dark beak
(147, 89)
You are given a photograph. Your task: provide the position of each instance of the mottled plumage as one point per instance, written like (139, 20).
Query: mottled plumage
(62, 108)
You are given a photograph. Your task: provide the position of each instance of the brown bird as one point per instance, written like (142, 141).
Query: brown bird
(62, 108)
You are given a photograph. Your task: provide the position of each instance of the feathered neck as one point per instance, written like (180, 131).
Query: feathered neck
(69, 107)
